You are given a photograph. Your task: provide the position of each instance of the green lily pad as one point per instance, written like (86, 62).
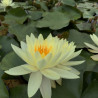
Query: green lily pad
(91, 91)
(69, 2)
(53, 20)
(21, 92)
(79, 38)
(10, 60)
(3, 90)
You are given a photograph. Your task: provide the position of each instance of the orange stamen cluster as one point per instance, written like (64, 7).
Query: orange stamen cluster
(43, 49)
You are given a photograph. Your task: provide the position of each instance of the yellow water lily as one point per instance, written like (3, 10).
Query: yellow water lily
(5, 3)
(46, 60)
(94, 49)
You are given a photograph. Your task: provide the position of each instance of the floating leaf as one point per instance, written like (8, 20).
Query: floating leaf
(6, 42)
(69, 2)
(53, 20)
(84, 26)
(79, 38)
(69, 89)
(59, 18)
(42, 5)
(3, 89)
(15, 16)
(91, 91)
(90, 64)
(21, 92)
(22, 30)
(35, 15)
(10, 60)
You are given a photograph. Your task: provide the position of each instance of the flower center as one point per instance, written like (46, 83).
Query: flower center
(43, 49)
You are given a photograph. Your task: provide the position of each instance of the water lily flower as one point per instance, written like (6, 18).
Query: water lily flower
(5, 3)
(94, 49)
(46, 60)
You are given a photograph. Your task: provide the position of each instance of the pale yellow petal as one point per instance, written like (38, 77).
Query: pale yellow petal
(53, 84)
(41, 63)
(22, 54)
(68, 57)
(23, 45)
(59, 81)
(33, 38)
(50, 74)
(75, 54)
(93, 51)
(19, 70)
(30, 67)
(48, 57)
(94, 38)
(73, 63)
(91, 46)
(65, 74)
(49, 37)
(30, 44)
(73, 70)
(37, 56)
(40, 38)
(95, 57)
(63, 67)
(54, 60)
(35, 81)
(45, 88)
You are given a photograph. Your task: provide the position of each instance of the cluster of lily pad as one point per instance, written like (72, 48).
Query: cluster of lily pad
(47, 57)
